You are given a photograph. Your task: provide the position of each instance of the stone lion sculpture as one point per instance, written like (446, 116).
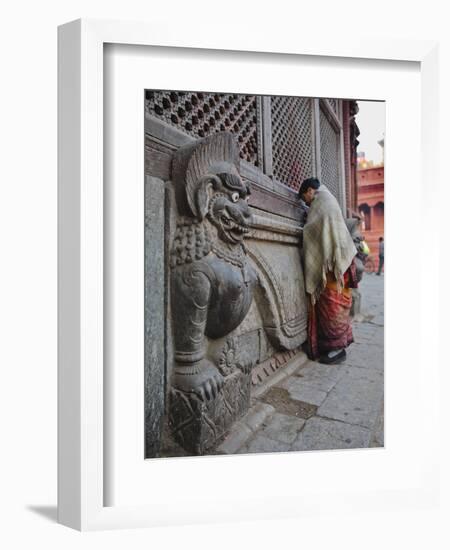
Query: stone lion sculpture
(212, 283)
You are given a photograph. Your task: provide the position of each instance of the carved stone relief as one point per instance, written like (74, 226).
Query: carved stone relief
(212, 285)
(280, 294)
(233, 305)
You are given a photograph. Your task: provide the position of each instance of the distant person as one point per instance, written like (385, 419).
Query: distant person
(330, 274)
(380, 255)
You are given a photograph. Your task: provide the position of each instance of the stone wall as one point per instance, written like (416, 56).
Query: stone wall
(274, 326)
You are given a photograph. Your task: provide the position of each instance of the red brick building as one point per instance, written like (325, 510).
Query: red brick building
(371, 204)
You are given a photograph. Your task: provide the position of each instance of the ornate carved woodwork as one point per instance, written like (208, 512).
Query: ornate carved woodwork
(292, 139)
(201, 114)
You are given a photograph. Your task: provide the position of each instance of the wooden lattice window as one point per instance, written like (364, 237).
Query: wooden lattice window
(280, 135)
(330, 156)
(292, 139)
(201, 114)
(333, 104)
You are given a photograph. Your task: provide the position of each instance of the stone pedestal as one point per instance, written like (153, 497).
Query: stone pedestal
(198, 425)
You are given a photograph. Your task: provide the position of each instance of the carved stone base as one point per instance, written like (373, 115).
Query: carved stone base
(198, 425)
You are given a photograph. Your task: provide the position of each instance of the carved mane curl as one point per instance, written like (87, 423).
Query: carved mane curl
(215, 154)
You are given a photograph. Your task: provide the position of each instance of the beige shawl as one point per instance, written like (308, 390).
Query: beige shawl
(327, 244)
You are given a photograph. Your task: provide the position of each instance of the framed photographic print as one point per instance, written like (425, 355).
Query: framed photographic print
(222, 296)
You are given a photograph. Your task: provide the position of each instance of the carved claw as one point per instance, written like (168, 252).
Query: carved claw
(207, 383)
(245, 366)
(214, 386)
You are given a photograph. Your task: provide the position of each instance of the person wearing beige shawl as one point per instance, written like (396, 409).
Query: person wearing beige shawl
(329, 268)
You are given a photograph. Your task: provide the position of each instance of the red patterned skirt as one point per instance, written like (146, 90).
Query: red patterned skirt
(329, 322)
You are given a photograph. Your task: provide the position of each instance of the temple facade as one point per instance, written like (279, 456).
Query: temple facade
(225, 301)
(371, 206)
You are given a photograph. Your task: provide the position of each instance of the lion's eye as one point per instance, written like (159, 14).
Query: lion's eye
(235, 197)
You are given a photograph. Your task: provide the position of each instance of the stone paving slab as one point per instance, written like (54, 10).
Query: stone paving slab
(322, 377)
(262, 444)
(377, 438)
(245, 428)
(284, 403)
(365, 337)
(378, 338)
(356, 398)
(236, 439)
(377, 320)
(365, 328)
(255, 418)
(284, 428)
(368, 356)
(322, 434)
(362, 339)
(379, 347)
(306, 393)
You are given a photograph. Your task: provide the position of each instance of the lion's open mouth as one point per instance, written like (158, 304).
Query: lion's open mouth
(233, 228)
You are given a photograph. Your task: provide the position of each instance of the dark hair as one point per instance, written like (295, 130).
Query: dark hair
(381, 239)
(306, 184)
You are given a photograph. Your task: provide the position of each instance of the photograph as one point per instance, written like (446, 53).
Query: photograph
(264, 273)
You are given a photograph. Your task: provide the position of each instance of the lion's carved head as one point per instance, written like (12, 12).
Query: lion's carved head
(213, 189)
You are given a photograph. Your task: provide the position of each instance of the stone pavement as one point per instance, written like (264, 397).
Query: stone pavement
(323, 406)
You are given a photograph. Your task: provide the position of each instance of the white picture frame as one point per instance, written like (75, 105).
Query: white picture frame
(82, 483)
